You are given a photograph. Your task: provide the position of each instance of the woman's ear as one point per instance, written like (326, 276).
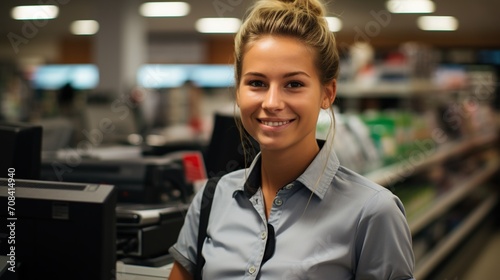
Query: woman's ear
(330, 94)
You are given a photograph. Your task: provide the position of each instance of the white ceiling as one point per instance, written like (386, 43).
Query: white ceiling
(478, 20)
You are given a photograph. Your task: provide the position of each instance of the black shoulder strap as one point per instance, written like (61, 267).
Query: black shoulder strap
(206, 206)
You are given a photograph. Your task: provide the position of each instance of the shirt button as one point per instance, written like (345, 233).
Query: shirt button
(252, 269)
(289, 186)
(263, 235)
(278, 201)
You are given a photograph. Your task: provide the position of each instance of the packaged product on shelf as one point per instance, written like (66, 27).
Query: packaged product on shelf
(382, 131)
(352, 143)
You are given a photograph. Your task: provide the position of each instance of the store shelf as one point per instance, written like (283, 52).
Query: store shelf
(446, 201)
(432, 259)
(422, 159)
(402, 89)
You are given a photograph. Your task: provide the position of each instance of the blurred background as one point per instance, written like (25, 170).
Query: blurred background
(416, 110)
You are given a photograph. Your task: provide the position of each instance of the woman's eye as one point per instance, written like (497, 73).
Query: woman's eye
(294, 85)
(256, 83)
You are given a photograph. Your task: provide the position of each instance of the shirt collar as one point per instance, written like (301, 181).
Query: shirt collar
(320, 173)
(317, 177)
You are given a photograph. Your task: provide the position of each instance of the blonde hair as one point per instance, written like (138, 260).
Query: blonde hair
(303, 20)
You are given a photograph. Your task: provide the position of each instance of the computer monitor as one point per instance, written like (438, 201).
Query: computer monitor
(54, 230)
(20, 148)
(225, 152)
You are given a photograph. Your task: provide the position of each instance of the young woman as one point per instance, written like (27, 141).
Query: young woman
(295, 213)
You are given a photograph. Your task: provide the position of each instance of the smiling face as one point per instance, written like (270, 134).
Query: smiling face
(280, 94)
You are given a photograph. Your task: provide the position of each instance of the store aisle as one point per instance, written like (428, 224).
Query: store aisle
(485, 267)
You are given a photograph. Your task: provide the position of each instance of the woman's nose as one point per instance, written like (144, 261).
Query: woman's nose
(273, 99)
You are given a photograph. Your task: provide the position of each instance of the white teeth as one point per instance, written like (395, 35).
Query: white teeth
(275, 123)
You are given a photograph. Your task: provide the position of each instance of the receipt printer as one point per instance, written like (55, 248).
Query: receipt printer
(147, 231)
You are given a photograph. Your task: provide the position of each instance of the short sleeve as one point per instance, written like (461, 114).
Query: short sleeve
(184, 251)
(383, 240)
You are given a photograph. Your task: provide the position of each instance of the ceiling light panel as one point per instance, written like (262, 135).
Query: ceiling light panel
(84, 27)
(410, 6)
(437, 23)
(218, 25)
(164, 9)
(34, 12)
(334, 23)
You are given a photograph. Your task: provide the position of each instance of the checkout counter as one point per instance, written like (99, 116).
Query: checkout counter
(154, 183)
(137, 272)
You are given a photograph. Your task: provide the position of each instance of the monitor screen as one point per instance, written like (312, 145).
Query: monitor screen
(53, 77)
(20, 148)
(175, 75)
(57, 230)
(226, 152)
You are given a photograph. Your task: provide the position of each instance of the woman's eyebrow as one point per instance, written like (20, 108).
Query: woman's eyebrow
(254, 74)
(291, 74)
(286, 75)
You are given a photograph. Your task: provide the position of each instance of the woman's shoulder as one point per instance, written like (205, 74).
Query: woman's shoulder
(368, 192)
(356, 179)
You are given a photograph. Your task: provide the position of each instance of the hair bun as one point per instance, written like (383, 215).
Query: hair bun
(311, 6)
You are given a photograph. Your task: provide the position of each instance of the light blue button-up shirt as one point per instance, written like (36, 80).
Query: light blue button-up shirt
(349, 228)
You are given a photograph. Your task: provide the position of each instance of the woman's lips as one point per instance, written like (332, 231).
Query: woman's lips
(275, 123)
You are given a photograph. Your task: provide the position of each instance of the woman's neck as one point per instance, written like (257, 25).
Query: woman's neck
(282, 167)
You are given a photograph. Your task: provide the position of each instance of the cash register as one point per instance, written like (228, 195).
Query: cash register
(153, 195)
